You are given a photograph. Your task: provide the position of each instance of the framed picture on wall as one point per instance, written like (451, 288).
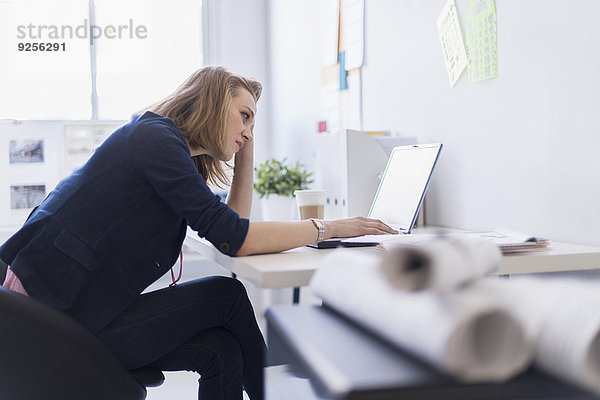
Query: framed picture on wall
(24, 197)
(32, 163)
(26, 151)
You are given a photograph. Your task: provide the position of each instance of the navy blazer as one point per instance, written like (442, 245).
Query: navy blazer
(114, 226)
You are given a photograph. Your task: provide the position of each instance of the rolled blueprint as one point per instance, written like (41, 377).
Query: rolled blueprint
(465, 332)
(440, 263)
(562, 319)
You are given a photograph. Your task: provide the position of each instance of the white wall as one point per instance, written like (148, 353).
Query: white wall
(520, 149)
(295, 78)
(239, 42)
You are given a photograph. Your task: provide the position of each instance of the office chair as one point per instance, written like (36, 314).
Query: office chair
(45, 354)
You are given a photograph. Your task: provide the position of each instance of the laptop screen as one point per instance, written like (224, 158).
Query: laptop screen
(403, 184)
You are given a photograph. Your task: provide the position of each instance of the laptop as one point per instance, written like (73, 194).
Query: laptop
(400, 193)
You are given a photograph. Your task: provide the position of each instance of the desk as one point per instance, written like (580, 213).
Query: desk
(294, 268)
(345, 362)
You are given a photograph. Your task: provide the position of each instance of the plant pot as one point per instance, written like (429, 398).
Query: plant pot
(278, 208)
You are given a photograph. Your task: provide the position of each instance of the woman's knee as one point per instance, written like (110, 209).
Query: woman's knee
(231, 302)
(227, 358)
(229, 285)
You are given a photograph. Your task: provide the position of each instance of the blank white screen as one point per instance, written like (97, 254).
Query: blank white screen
(403, 184)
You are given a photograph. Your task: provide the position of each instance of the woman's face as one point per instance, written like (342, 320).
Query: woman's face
(240, 123)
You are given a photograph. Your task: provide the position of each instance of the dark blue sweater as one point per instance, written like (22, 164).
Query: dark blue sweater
(117, 224)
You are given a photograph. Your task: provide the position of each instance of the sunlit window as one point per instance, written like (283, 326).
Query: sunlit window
(101, 59)
(134, 72)
(42, 84)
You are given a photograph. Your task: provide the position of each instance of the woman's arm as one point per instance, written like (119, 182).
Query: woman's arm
(240, 193)
(272, 237)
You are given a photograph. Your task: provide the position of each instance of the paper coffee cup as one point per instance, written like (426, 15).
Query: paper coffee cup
(311, 203)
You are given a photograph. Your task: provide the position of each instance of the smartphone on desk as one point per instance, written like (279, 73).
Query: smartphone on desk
(333, 243)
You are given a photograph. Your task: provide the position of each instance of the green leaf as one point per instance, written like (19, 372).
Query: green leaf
(275, 177)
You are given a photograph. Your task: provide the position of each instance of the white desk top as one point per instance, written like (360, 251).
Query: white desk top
(559, 257)
(294, 268)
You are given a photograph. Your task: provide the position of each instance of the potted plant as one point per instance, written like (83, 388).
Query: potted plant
(275, 183)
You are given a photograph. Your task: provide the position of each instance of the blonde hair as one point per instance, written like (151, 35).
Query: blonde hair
(199, 108)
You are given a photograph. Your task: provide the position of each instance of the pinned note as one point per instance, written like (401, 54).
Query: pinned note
(343, 72)
(354, 33)
(329, 13)
(453, 46)
(482, 40)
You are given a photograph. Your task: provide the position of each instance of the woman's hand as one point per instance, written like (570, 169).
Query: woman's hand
(240, 192)
(272, 237)
(356, 226)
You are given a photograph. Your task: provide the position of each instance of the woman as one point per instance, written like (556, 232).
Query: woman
(114, 226)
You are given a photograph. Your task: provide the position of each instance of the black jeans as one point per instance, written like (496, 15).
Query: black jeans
(206, 325)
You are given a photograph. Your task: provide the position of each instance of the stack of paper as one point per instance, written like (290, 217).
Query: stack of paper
(508, 241)
(511, 241)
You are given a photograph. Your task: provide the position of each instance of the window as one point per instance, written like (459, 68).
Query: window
(133, 75)
(108, 60)
(43, 84)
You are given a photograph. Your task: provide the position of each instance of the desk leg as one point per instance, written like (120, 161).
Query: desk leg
(296, 298)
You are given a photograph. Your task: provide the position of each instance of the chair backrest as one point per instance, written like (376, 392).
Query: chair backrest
(45, 354)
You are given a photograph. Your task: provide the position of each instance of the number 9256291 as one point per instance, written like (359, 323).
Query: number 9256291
(34, 46)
